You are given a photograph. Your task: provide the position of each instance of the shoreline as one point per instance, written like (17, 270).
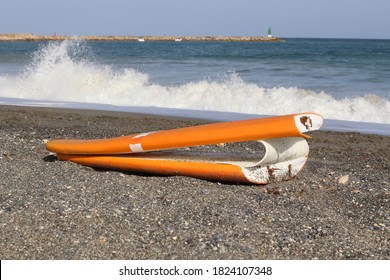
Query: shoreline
(334, 125)
(31, 37)
(336, 208)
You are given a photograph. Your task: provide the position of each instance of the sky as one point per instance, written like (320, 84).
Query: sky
(288, 18)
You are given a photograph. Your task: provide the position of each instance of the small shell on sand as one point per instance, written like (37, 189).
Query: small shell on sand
(343, 179)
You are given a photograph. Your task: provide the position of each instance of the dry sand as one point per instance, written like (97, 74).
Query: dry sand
(59, 210)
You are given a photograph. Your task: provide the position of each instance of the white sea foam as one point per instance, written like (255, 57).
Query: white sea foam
(59, 72)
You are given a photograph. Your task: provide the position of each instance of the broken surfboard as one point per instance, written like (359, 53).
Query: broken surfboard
(160, 152)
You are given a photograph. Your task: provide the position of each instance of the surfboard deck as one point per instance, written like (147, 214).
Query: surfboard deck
(286, 150)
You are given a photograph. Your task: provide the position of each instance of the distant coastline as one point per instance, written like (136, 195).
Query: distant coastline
(32, 37)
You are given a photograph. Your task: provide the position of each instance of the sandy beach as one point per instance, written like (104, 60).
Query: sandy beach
(51, 209)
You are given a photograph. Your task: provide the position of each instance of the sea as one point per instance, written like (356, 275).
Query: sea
(347, 81)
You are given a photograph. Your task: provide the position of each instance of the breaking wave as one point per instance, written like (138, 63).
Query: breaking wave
(60, 72)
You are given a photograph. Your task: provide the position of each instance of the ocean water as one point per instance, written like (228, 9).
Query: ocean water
(346, 81)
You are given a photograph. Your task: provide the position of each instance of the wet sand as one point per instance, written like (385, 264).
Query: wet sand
(51, 209)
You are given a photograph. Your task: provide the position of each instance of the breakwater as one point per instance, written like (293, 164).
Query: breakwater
(32, 37)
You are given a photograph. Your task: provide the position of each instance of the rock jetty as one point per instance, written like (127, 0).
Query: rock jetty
(32, 37)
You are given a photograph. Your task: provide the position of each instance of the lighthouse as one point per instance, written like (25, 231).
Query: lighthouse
(269, 32)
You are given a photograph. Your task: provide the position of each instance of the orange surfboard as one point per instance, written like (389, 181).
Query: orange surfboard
(154, 152)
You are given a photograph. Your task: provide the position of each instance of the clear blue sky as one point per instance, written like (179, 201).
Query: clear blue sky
(288, 18)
